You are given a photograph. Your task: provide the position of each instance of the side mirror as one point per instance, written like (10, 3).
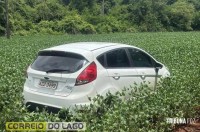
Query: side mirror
(157, 69)
(158, 66)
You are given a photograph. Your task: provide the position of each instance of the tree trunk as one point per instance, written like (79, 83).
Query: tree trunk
(7, 21)
(102, 9)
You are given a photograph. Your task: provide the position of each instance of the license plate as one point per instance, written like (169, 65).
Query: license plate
(48, 84)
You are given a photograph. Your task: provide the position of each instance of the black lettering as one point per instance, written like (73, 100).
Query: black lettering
(40, 126)
(27, 126)
(54, 86)
(47, 84)
(50, 126)
(42, 84)
(9, 125)
(75, 125)
(63, 126)
(69, 126)
(56, 125)
(15, 126)
(80, 126)
(33, 126)
(21, 126)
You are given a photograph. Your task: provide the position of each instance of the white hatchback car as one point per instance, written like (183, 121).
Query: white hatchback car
(66, 75)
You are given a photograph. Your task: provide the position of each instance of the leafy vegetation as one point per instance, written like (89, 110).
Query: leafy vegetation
(147, 111)
(99, 16)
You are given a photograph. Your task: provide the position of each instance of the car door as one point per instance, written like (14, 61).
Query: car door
(144, 65)
(119, 69)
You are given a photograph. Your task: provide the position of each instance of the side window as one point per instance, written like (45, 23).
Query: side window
(101, 60)
(117, 58)
(140, 59)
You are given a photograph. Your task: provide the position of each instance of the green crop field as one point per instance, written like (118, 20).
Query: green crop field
(178, 97)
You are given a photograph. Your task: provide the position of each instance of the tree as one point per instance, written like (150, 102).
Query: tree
(2, 18)
(180, 15)
(196, 4)
(147, 14)
(32, 3)
(170, 2)
(106, 5)
(50, 10)
(7, 20)
(65, 2)
(119, 15)
(81, 5)
(196, 21)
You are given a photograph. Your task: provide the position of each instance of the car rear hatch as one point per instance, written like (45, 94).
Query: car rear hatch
(54, 72)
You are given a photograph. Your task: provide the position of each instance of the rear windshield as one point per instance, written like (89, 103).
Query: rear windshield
(57, 60)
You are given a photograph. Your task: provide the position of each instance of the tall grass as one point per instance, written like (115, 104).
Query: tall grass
(179, 51)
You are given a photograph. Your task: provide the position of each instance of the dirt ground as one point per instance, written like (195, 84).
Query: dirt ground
(195, 127)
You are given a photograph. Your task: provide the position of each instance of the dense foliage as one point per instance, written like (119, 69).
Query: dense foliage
(100, 16)
(147, 111)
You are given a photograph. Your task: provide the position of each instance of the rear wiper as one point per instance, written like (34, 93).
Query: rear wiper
(57, 70)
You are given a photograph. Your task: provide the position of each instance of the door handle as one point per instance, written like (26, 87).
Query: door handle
(143, 75)
(116, 76)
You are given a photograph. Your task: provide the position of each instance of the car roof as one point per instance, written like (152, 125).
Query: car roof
(89, 46)
(87, 49)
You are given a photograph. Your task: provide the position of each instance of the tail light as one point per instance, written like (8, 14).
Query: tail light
(89, 74)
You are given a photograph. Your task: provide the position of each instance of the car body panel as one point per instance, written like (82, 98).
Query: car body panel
(67, 94)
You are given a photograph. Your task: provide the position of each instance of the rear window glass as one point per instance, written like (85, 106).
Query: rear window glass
(57, 60)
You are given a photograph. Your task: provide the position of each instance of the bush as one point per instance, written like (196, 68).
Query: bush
(75, 25)
(196, 21)
(144, 111)
(22, 33)
(88, 29)
(48, 27)
(2, 30)
(104, 28)
(46, 24)
(180, 15)
(20, 26)
(107, 24)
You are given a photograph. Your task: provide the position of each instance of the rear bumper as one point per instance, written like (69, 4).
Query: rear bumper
(32, 97)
